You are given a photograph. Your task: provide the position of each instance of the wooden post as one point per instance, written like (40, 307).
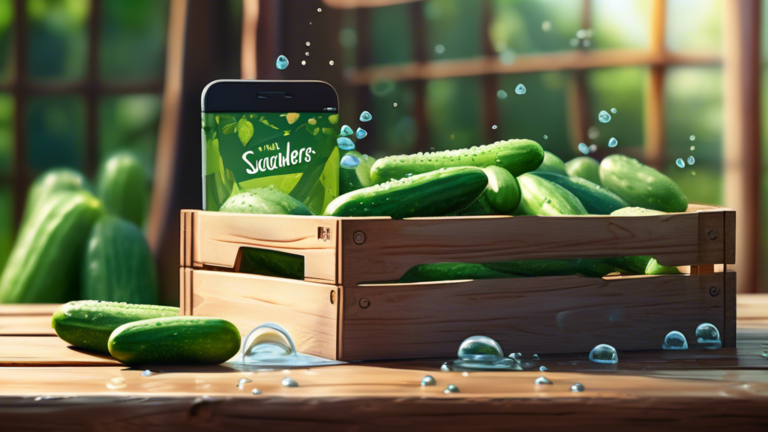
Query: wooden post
(248, 58)
(741, 149)
(654, 94)
(578, 95)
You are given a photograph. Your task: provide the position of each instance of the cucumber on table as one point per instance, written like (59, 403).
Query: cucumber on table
(541, 197)
(551, 164)
(352, 179)
(436, 193)
(584, 167)
(640, 185)
(87, 324)
(516, 156)
(596, 199)
(451, 271)
(189, 340)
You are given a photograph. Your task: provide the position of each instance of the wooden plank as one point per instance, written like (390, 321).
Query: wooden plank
(303, 308)
(356, 4)
(249, 40)
(729, 305)
(655, 132)
(27, 309)
(543, 315)
(34, 325)
(46, 351)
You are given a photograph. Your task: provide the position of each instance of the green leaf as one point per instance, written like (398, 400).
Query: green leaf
(244, 130)
(228, 129)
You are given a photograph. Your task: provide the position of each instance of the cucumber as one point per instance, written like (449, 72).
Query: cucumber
(584, 167)
(640, 185)
(535, 268)
(551, 164)
(357, 178)
(44, 264)
(595, 267)
(175, 340)
(264, 201)
(480, 207)
(503, 190)
(54, 180)
(636, 211)
(451, 271)
(118, 265)
(436, 193)
(123, 187)
(87, 324)
(272, 263)
(541, 197)
(596, 199)
(641, 264)
(516, 156)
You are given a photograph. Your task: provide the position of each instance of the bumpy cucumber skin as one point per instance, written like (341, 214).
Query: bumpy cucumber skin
(175, 340)
(264, 201)
(87, 324)
(118, 265)
(541, 197)
(516, 156)
(503, 190)
(551, 164)
(596, 199)
(584, 167)
(44, 265)
(123, 187)
(451, 271)
(554, 267)
(640, 185)
(358, 178)
(436, 193)
(272, 263)
(636, 211)
(54, 180)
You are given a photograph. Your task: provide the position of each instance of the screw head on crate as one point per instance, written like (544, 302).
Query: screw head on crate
(364, 303)
(711, 234)
(359, 237)
(714, 291)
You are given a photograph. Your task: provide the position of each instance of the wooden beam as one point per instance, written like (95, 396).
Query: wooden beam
(19, 174)
(578, 94)
(92, 94)
(249, 44)
(654, 92)
(357, 4)
(741, 157)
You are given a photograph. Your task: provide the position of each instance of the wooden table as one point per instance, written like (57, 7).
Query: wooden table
(44, 384)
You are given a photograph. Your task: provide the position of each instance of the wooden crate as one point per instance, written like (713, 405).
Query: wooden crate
(339, 312)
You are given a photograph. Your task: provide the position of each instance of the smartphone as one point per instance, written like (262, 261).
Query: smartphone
(280, 134)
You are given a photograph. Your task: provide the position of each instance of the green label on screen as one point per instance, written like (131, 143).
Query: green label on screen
(293, 152)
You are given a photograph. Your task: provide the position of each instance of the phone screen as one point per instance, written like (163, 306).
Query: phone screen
(295, 153)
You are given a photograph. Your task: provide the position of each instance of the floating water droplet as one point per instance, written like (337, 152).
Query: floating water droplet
(692, 137)
(674, 340)
(346, 131)
(604, 117)
(451, 389)
(439, 48)
(680, 162)
(604, 354)
(289, 382)
(428, 380)
(361, 133)
(319, 10)
(303, 62)
(577, 387)
(507, 57)
(520, 89)
(330, 62)
(584, 148)
(693, 148)
(394, 104)
(146, 373)
(345, 143)
(256, 391)
(546, 26)
(306, 54)
(349, 162)
(708, 335)
(365, 116)
(614, 110)
(542, 368)
(691, 160)
(542, 380)
(581, 34)
(494, 127)
(535, 356)
(546, 137)
(501, 94)
(480, 348)
(593, 133)
(593, 148)
(613, 142)
(282, 62)
(574, 42)
(445, 367)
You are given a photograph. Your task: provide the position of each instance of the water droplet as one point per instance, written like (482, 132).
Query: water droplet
(613, 142)
(116, 383)
(480, 348)
(282, 62)
(708, 335)
(535, 356)
(428, 380)
(680, 162)
(319, 10)
(542, 380)
(303, 62)
(574, 42)
(693, 148)
(593, 148)
(674, 340)
(546, 26)
(256, 391)
(501, 94)
(546, 137)
(289, 382)
(520, 89)
(516, 357)
(365, 116)
(146, 373)
(593, 133)
(614, 110)
(330, 62)
(445, 367)
(583, 148)
(439, 48)
(604, 354)
(346, 131)
(494, 127)
(692, 138)
(693, 172)
(542, 368)
(361, 133)
(345, 143)
(451, 389)
(604, 117)
(691, 160)
(507, 57)
(306, 54)
(581, 34)
(577, 387)
(349, 162)
(394, 104)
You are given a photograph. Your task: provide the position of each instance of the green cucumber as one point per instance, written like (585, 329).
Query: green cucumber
(584, 167)
(450, 271)
(435, 193)
(264, 201)
(541, 197)
(175, 340)
(503, 190)
(640, 264)
(87, 324)
(272, 263)
(516, 156)
(551, 164)
(352, 179)
(596, 199)
(636, 211)
(123, 187)
(595, 267)
(535, 268)
(480, 207)
(54, 180)
(640, 185)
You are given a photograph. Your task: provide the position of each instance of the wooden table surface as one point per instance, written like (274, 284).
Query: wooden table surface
(45, 384)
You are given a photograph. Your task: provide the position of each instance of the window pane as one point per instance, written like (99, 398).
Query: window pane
(391, 34)
(620, 23)
(129, 122)
(6, 39)
(694, 25)
(133, 39)
(6, 133)
(443, 19)
(694, 106)
(528, 26)
(623, 89)
(540, 111)
(454, 113)
(396, 129)
(56, 132)
(6, 225)
(58, 38)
